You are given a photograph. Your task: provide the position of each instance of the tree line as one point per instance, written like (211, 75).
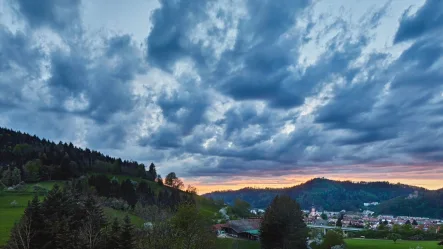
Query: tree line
(40, 159)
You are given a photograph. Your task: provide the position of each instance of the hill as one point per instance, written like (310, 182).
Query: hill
(425, 204)
(30, 165)
(40, 159)
(323, 193)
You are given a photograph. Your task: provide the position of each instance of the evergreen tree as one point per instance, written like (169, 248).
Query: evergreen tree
(113, 241)
(128, 192)
(160, 180)
(127, 234)
(152, 172)
(283, 226)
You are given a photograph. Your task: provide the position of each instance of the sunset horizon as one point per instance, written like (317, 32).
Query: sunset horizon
(433, 184)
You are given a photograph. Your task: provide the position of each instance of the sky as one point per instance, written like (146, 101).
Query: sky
(233, 93)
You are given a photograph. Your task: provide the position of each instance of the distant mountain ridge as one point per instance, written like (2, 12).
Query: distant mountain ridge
(336, 195)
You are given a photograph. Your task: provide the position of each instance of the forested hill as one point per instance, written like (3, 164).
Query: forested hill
(323, 193)
(425, 204)
(40, 159)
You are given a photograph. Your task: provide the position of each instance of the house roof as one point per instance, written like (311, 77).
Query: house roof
(253, 232)
(244, 225)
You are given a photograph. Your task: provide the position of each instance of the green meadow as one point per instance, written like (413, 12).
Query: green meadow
(389, 244)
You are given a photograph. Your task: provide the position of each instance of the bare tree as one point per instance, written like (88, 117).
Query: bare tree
(21, 234)
(91, 234)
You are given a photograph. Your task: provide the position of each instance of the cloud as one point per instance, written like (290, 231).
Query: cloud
(56, 14)
(428, 19)
(225, 88)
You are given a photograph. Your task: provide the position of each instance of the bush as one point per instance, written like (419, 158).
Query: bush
(14, 203)
(115, 203)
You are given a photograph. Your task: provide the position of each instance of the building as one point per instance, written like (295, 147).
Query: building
(370, 204)
(244, 228)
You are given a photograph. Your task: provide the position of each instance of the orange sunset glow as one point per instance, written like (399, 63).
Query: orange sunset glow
(204, 186)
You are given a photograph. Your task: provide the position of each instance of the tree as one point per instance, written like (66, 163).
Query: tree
(114, 235)
(324, 216)
(191, 190)
(160, 180)
(332, 238)
(339, 223)
(7, 177)
(394, 237)
(414, 223)
(408, 222)
(92, 231)
(241, 208)
(16, 176)
(25, 233)
(21, 234)
(191, 229)
(173, 181)
(32, 170)
(128, 192)
(170, 178)
(127, 234)
(152, 172)
(283, 226)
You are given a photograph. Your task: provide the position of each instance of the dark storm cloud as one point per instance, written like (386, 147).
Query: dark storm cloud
(103, 85)
(81, 83)
(19, 63)
(428, 19)
(264, 58)
(241, 90)
(184, 107)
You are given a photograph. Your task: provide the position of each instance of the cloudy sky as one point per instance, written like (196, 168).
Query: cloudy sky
(230, 93)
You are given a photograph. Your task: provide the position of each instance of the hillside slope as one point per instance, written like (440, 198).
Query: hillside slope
(426, 204)
(323, 193)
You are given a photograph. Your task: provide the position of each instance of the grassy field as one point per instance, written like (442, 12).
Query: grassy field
(112, 213)
(389, 244)
(9, 214)
(352, 244)
(236, 244)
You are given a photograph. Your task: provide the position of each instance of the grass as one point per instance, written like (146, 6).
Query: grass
(389, 244)
(112, 213)
(352, 244)
(236, 244)
(207, 207)
(9, 214)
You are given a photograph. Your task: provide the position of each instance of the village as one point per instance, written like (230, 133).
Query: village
(249, 228)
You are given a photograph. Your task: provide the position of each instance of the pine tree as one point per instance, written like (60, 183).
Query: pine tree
(37, 222)
(127, 236)
(283, 226)
(152, 172)
(113, 240)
